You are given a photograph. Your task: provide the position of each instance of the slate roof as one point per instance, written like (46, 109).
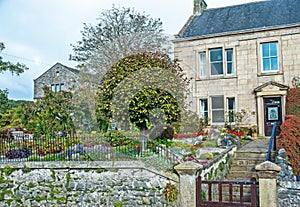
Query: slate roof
(256, 15)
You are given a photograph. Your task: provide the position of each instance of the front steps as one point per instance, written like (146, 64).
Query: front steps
(246, 158)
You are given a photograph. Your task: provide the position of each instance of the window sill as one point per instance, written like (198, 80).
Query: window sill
(216, 78)
(270, 73)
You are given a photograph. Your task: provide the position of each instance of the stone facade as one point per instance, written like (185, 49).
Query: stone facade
(247, 68)
(58, 77)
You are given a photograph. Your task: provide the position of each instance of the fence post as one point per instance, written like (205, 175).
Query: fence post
(267, 173)
(187, 182)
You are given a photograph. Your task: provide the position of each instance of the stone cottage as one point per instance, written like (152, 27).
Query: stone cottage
(59, 77)
(241, 57)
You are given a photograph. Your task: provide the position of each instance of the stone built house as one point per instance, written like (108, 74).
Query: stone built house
(59, 77)
(241, 57)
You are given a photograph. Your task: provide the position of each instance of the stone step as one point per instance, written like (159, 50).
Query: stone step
(249, 168)
(248, 161)
(247, 155)
(242, 175)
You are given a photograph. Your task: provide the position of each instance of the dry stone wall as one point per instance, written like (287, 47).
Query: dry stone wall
(82, 184)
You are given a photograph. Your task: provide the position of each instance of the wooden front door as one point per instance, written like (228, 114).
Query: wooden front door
(272, 113)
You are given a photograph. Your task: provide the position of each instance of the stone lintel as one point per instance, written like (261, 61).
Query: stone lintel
(188, 168)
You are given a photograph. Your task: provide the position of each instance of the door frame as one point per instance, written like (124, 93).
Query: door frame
(270, 89)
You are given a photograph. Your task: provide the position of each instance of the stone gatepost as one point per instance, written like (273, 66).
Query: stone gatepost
(187, 182)
(267, 173)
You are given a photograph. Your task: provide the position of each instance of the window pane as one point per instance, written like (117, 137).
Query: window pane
(274, 64)
(273, 49)
(231, 109)
(266, 64)
(217, 68)
(57, 88)
(229, 68)
(231, 103)
(53, 88)
(62, 87)
(202, 64)
(203, 108)
(217, 102)
(218, 116)
(229, 55)
(265, 50)
(216, 55)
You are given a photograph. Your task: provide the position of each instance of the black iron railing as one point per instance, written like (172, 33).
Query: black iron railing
(80, 148)
(272, 142)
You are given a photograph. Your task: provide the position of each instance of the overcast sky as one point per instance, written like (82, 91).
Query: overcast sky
(38, 33)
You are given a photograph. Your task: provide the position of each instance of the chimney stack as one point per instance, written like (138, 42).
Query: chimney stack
(199, 6)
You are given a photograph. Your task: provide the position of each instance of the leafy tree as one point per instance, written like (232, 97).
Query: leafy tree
(120, 32)
(17, 68)
(144, 89)
(84, 107)
(21, 116)
(4, 102)
(53, 114)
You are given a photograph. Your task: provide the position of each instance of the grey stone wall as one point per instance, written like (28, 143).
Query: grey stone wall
(287, 185)
(82, 184)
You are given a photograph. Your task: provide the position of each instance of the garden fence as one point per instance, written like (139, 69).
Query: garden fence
(80, 148)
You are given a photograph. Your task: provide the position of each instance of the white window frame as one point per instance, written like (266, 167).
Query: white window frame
(211, 63)
(227, 62)
(268, 57)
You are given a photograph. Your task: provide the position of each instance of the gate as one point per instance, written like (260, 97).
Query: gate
(226, 193)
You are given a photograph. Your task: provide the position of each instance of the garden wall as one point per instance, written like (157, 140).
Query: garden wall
(288, 189)
(83, 184)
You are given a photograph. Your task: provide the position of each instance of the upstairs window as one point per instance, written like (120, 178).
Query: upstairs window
(229, 61)
(58, 87)
(270, 57)
(202, 66)
(56, 74)
(216, 61)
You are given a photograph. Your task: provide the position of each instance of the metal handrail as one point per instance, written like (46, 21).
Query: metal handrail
(271, 142)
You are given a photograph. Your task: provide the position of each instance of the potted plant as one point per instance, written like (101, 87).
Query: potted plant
(254, 130)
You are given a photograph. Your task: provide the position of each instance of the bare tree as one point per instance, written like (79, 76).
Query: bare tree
(120, 32)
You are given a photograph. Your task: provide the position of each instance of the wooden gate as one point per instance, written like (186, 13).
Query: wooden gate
(226, 193)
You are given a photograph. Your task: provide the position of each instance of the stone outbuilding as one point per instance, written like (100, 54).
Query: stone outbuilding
(59, 78)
